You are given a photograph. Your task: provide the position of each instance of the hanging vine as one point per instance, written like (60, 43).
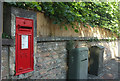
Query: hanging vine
(102, 14)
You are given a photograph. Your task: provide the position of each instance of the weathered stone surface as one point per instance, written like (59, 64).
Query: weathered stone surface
(50, 62)
(12, 60)
(4, 62)
(10, 14)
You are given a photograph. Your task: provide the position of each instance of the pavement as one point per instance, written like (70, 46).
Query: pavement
(111, 70)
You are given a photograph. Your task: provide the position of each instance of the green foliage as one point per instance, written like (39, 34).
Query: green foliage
(103, 14)
(98, 40)
(76, 30)
(4, 35)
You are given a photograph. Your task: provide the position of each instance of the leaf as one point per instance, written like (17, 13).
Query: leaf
(85, 26)
(76, 30)
(77, 27)
(52, 12)
(66, 27)
(91, 25)
(72, 26)
(96, 13)
(39, 8)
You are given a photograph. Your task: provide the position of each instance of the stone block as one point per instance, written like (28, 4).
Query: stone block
(4, 62)
(46, 54)
(47, 58)
(40, 60)
(42, 71)
(39, 64)
(55, 56)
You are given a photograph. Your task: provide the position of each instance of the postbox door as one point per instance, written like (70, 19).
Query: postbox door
(24, 50)
(24, 53)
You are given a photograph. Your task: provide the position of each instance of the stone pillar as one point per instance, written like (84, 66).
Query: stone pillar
(1, 24)
(10, 14)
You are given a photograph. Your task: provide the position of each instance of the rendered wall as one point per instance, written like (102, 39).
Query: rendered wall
(46, 28)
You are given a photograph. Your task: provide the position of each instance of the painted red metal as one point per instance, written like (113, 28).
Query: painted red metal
(24, 56)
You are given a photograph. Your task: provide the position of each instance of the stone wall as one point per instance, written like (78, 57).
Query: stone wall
(45, 28)
(4, 62)
(50, 62)
(51, 59)
(50, 55)
(110, 50)
(9, 23)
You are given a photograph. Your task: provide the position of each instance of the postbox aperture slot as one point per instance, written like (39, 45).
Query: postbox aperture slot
(84, 59)
(24, 27)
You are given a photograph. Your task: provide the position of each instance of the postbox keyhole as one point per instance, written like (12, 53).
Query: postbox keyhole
(20, 68)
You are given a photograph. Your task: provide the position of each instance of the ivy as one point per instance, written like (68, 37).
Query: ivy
(98, 40)
(76, 31)
(4, 35)
(102, 14)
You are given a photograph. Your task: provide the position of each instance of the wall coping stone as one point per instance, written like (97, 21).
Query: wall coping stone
(41, 39)
(10, 42)
(49, 39)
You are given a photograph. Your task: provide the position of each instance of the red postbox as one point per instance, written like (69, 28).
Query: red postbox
(24, 45)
